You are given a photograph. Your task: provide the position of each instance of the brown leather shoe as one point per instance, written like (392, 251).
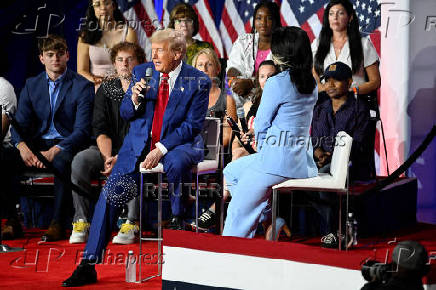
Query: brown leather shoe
(55, 232)
(12, 229)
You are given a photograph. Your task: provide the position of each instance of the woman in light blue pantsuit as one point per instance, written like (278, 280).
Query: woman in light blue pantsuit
(282, 134)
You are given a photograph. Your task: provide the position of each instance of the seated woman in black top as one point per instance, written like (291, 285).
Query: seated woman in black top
(109, 130)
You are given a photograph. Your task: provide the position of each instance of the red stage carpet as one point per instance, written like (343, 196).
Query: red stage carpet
(46, 265)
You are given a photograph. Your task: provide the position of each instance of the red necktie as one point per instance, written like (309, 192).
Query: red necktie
(159, 109)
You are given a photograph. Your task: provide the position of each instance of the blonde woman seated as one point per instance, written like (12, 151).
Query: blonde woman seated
(103, 28)
(207, 61)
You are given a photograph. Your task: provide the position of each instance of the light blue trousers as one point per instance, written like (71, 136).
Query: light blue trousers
(251, 196)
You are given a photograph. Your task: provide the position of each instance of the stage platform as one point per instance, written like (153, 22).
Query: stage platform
(207, 261)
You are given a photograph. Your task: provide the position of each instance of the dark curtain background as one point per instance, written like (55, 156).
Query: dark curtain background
(23, 22)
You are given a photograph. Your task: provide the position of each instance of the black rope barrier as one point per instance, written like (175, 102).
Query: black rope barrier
(412, 158)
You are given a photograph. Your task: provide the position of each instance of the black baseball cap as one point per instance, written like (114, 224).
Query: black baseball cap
(339, 71)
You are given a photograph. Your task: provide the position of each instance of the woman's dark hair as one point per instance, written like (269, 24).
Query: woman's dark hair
(184, 10)
(257, 89)
(273, 9)
(90, 31)
(325, 37)
(290, 47)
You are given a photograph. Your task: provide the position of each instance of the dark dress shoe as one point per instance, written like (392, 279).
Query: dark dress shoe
(176, 223)
(83, 275)
(55, 232)
(11, 230)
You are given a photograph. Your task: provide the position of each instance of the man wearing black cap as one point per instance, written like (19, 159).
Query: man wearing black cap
(409, 265)
(342, 112)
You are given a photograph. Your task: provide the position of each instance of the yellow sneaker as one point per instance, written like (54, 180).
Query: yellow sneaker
(80, 232)
(127, 233)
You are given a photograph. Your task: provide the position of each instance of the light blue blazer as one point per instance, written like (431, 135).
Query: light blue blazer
(282, 127)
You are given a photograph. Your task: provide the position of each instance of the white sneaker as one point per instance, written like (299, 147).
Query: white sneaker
(127, 233)
(80, 232)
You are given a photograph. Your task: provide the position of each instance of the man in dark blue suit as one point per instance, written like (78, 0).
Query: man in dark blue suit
(165, 126)
(54, 113)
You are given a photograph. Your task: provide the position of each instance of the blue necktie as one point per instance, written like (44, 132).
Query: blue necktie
(53, 86)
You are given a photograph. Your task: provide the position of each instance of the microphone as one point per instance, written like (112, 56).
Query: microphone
(147, 78)
(235, 129)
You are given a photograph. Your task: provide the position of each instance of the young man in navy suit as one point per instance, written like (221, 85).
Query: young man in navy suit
(54, 113)
(165, 126)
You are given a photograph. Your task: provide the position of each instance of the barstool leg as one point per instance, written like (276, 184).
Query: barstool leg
(141, 184)
(196, 203)
(159, 224)
(159, 229)
(274, 215)
(340, 222)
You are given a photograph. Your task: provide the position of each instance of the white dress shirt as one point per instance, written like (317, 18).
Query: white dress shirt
(370, 56)
(242, 57)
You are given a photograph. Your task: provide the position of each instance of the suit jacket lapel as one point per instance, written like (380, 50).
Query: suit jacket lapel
(174, 98)
(66, 84)
(40, 98)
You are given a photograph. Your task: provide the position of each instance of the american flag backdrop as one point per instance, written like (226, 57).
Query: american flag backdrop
(236, 18)
(141, 16)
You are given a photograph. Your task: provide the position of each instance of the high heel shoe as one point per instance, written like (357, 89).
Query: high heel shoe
(280, 226)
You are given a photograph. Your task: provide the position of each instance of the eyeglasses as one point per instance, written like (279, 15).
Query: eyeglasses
(105, 3)
(185, 21)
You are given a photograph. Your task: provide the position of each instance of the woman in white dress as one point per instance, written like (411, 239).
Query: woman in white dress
(340, 40)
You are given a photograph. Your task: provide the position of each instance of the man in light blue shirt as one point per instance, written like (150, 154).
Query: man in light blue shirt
(54, 86)
(54, 114)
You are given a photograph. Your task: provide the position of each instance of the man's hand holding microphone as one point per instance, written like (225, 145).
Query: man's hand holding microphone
(140, 88)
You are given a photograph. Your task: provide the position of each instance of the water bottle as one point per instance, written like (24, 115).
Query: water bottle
(354, 225)
(351, 226)
(20, 214)
(131, 267)
(122, 218)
